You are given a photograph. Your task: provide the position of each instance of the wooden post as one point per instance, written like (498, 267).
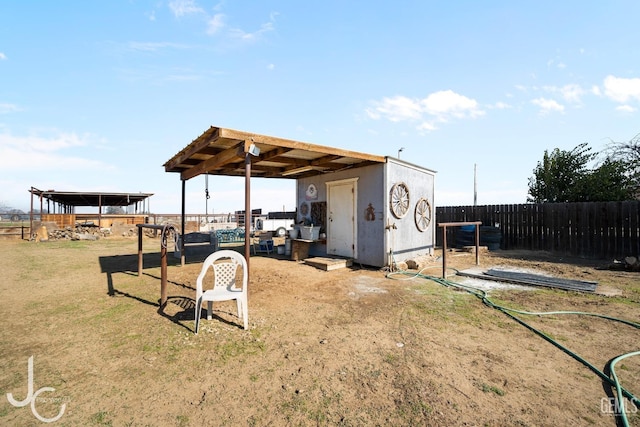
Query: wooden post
(444, 226)
(139, 250)
(444, 251)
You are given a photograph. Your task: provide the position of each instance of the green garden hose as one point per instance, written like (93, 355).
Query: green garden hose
(483, 295)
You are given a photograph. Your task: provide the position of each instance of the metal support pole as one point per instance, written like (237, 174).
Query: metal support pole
(163, 270)
(139, 250)
(477, 244)
(31, 216)
(183, 224)
(166, 230)
(247, 208)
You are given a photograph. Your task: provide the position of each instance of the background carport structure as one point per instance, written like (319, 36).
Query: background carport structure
(220, 151)
(64, 203)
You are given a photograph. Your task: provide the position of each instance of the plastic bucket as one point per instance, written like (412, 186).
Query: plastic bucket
(293, 233)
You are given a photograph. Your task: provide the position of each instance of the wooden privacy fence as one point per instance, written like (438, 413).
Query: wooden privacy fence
(602, 230)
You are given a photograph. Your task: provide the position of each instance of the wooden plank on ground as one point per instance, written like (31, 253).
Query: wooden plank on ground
(328, 264)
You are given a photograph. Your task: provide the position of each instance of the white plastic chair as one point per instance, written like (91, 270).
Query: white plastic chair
(224, 264)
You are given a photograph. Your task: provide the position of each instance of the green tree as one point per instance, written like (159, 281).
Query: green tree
(607, 183)
(114, 210)
(557, 177)
(629, 154)
(564, 176)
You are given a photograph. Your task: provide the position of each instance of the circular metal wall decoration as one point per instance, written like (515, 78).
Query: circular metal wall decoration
(312, 192)
(423, 214)
(399, 200)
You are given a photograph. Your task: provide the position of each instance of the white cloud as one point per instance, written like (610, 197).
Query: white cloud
(547, 105)
(427, 127)
(8, 108)
(626, 109)
(2, 56)
(396, 109)
(621, 89)
(242, 35)
(571, 92)
(556, 63)
(271, 67)
(215, 24)
(448, 103)
(501, 106)
(43, 153)
(38, 143)
(155, 46)
(184, 7)
(438, 107)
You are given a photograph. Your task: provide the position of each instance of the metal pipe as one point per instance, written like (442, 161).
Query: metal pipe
(247, 208)
(31, 216)
(183, 224)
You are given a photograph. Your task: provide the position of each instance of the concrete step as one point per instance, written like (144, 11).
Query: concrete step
(328, 264)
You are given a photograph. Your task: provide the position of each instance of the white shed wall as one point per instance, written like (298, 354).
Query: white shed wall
(375, 241)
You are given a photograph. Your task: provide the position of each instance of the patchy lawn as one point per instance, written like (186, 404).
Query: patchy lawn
(349, 347)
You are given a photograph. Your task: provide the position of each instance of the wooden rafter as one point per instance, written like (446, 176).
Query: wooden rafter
(222, 152)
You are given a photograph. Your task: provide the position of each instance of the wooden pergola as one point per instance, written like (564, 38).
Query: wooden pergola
(220, 151)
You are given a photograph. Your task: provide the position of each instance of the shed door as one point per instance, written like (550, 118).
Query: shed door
(341, 224)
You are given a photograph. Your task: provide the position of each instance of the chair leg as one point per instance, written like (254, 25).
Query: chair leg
(198, 309)
(245, 314)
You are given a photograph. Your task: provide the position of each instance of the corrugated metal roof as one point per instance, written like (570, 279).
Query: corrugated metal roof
(69, 198)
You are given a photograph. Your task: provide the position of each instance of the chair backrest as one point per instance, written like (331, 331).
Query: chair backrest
(224, 272)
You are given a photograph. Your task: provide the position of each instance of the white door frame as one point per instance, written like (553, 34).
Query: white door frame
(353, 219)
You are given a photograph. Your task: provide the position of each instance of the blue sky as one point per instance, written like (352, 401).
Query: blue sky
(98, 95)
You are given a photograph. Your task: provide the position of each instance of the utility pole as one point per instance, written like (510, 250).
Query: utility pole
(475, 184)
(400, 151)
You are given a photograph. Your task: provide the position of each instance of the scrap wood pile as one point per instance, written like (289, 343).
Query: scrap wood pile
(49, 231)
(72, 233)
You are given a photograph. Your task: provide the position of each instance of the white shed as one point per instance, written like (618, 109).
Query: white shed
(375, 214)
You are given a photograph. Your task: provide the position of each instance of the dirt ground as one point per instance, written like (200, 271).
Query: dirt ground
(350, 347)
